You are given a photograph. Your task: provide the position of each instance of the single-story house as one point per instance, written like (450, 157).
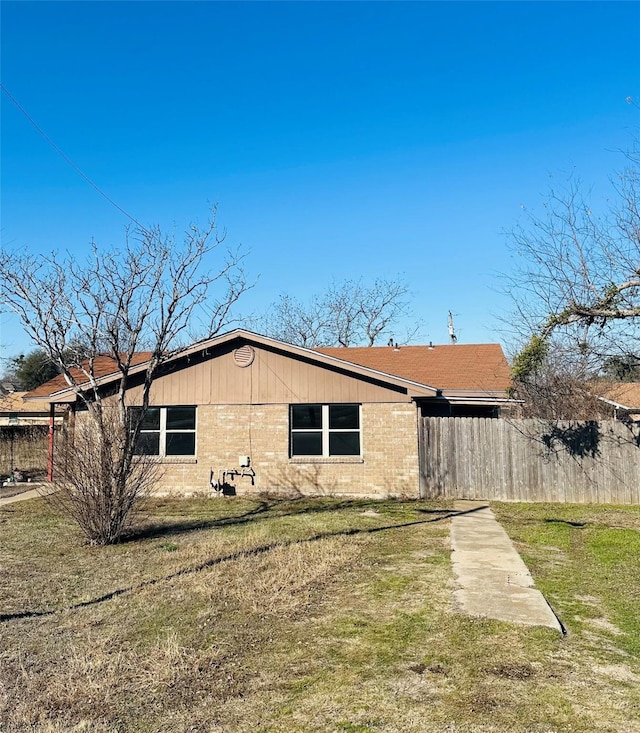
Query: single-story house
(249, 413)
(14, 410)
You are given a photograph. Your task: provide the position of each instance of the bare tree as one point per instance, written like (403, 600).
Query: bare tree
(154, 295)
(577, 287)
(347, 313)
(296, 323)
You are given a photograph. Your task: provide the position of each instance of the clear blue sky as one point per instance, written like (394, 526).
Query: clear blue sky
(339, 139)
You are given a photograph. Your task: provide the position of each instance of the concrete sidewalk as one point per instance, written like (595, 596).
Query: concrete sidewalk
(493, 580)
(34, 493)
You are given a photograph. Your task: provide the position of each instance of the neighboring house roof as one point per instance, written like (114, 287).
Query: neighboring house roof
(459, 371)
(622, 395)
(13, 402)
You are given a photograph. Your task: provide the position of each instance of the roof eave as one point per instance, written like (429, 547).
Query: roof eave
(70, 394)
(619, 405)
(487, 396)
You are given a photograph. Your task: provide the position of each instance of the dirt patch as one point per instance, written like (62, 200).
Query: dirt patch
(619, 672)
(512, 670)
(588, 600)
(605, 625)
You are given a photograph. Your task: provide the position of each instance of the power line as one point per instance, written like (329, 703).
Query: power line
(68, 160)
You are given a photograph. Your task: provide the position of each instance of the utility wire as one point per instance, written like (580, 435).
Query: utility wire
(68, 160)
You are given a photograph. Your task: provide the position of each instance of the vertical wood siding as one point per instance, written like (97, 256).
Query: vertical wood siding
(526, 460)
(272, 378)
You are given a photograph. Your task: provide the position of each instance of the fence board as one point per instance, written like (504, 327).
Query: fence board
(529, 460)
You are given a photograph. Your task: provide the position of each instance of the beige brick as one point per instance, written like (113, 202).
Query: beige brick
(389, 466)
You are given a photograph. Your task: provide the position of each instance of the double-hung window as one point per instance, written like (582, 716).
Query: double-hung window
(325, 430)
(166, 431)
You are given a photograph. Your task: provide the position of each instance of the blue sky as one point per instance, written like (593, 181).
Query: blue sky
(339, 139)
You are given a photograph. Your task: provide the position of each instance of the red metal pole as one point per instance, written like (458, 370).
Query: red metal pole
(52, 411)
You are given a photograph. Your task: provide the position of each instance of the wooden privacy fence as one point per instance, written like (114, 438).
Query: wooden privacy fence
(529, 460)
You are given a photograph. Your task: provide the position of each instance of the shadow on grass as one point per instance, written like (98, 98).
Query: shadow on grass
(537, 521)
(577, 525)
(442, 514)
(266, 509)
(154, 531)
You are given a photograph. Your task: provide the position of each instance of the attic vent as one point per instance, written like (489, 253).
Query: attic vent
(244, 356)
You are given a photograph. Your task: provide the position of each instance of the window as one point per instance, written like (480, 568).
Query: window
(166, 431)
(325, 430)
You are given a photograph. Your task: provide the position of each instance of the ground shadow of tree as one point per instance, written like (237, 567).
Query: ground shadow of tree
(267, 507)
(438, 515)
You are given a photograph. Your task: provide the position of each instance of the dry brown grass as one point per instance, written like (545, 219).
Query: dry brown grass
(273, 616)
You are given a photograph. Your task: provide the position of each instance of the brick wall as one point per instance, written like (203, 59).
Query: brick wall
(389, 466)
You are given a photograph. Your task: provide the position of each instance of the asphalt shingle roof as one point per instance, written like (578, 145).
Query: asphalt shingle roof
(464, 367)
(474, 367)
(103, 366)
(625, 394)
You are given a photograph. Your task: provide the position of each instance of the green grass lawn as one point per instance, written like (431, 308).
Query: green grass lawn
(305, 615)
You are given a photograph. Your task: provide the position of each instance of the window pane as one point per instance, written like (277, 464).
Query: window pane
(151, 419)
(148, 444)
(133, 413)
(344, 417)
(306, 444)
(306, 416)
(344, 444)
(181, 418)
(181, 444)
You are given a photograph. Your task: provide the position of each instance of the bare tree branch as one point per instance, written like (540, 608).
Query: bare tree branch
(348, 313)
(147, 295)
(577, 268)
(576, 290)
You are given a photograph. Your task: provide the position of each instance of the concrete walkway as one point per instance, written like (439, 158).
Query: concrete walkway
(493, 580)
(10, 497)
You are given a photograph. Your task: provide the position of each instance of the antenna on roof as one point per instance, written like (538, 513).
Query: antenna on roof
(452, 334)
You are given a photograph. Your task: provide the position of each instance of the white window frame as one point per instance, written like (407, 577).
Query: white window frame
(162, 432)
(326, 431)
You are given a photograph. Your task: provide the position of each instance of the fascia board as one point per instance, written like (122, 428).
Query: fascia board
(619, 405)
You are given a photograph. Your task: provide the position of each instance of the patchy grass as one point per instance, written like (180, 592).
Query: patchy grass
(586, 561)
(283, 616)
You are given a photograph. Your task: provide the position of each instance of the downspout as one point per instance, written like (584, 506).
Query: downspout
(52, 412)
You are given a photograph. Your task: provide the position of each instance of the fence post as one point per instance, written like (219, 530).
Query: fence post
(12, 458)
(52, 413)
